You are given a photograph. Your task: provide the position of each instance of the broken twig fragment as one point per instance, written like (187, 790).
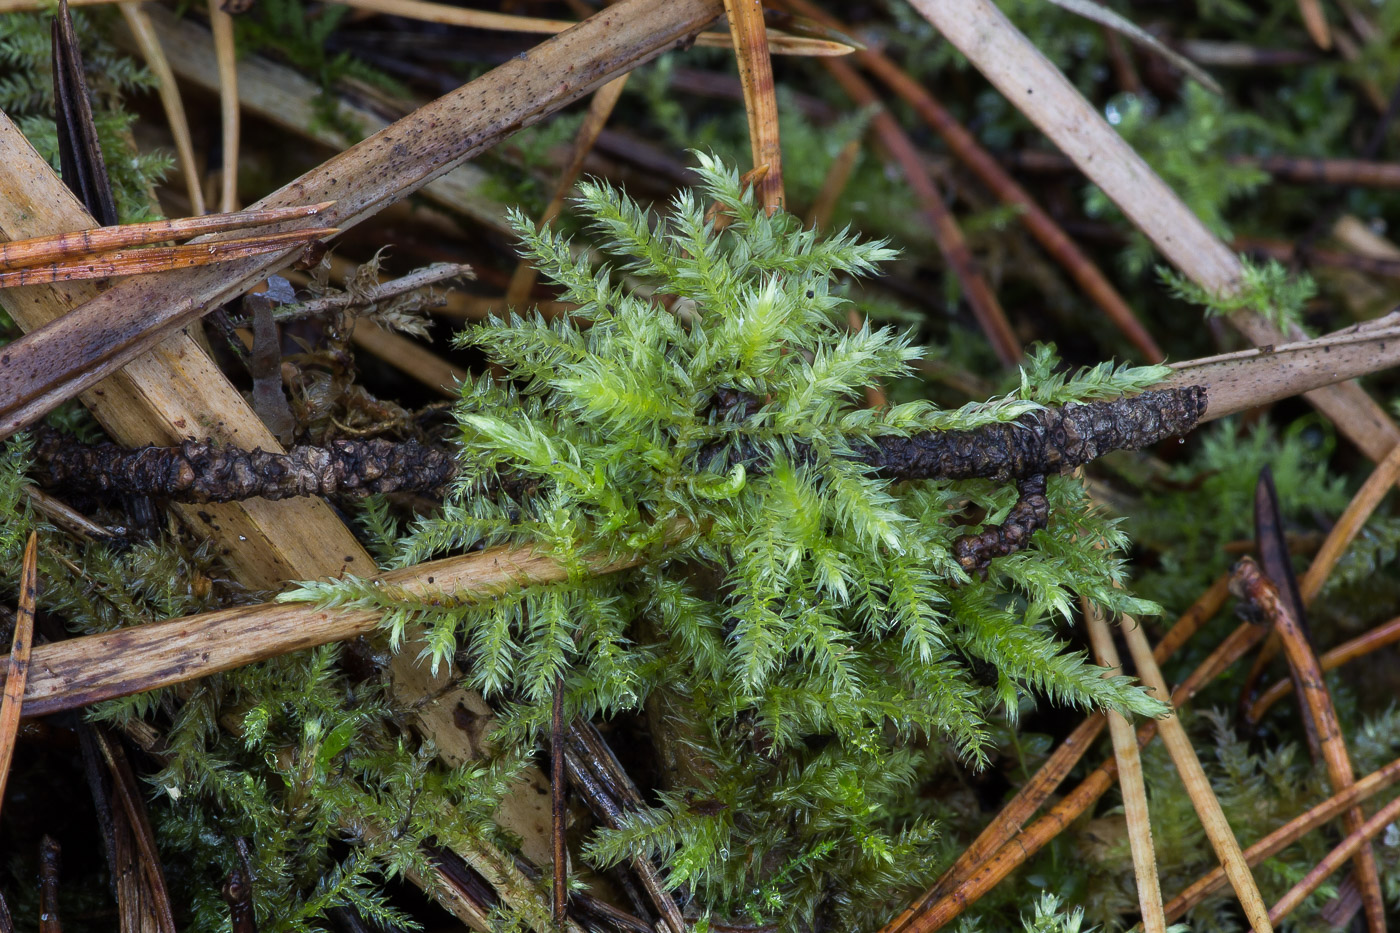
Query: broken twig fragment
(1048, 440)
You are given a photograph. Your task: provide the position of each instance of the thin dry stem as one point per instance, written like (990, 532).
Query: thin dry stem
(17, 666)
(139, 22)
(1317, 706)
(1387, 633)
(760, 96)
(221, 24)
(162, 259)
(37, 251)
(1193, 776)
(522, 281)
(1125, 751)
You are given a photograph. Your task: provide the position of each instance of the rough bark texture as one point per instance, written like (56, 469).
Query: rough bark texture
(203, 472)
(1031, 511)
(1049, 440)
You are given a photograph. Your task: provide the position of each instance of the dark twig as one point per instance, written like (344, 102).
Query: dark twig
(558, 809)
(50, 857)
(1048, 440)
(1031, 511)
(238, 892)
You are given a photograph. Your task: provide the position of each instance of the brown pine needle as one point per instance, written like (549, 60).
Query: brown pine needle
(1281, 838)
(1193, 776)
(424, 11)
(1349, 525)
(161, 258)
(1317, 706)
(522, 281)
(760, 96)
(1357, 840)
(1125, 750)
(17, 669)
(991, 317)
(1387, 633)
(1044, 782)
(838, 176)
(989, 170)
(22, 254)
(558, 807)
(934, 910)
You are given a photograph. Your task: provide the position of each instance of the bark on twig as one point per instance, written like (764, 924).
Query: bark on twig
(1049, 440)
(1035, 86)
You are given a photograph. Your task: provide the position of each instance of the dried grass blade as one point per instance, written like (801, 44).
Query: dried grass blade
(17, 667)
(411, 358)
(144, 32)
(152, 259)
(21, 254)
(225, 53)
(1125, 750)
(1349, 525)
(760, 96)
(1193, 776)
